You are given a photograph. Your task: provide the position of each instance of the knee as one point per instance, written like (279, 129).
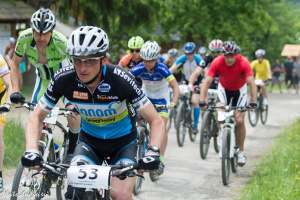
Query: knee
(239, 121)
(122, 193)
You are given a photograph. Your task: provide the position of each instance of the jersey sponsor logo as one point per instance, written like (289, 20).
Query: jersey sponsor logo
(130, 80)
(64, 69)
(104, 97)
(104, 87)
(100, 112)
(80, 95)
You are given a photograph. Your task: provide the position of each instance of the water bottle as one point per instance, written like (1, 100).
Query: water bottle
(56, 151)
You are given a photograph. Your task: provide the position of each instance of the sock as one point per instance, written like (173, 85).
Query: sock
(196, 116)
(73, 137)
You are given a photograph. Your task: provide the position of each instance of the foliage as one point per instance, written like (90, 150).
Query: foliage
(253, 24)
(278, 175)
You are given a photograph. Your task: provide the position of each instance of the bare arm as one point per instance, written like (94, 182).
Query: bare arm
(204, 88)
(14, 73)
(251, 83)
(196, 73)
(174, 85)
(34, 128)
(7, 82)
(156, 123)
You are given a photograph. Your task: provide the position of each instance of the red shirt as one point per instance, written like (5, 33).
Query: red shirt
(231, 77)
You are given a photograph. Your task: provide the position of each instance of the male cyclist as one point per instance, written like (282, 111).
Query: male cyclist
(101, 94)
(189, 62)
(156, 79)
(5, 90)
(235, 73)
(133, 58)
(172, 56)
(46, 50)
(262, 69)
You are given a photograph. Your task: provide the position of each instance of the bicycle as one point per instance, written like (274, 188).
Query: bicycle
(229, 147)
(209, 126)
(184, 119)
(261, 112)
(172, 116)
(35, 183)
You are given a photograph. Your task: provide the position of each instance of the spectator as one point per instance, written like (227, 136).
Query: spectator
(277, 70)
(296, 75)
(288, 67)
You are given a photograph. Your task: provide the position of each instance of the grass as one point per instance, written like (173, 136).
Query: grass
(14, 140)
(277, 177)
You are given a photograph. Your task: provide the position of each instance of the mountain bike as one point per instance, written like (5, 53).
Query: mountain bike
(261, 112)
(209, 126)
(184, 119)
(32, 183)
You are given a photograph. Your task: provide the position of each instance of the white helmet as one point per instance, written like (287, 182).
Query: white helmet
(43, 20)
(88, 40)
(150, 50)
(202, 50)
(259, 53)
(216, 45)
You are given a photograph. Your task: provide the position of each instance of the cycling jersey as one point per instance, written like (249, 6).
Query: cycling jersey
(262, 69)
(127, 61)
(231, 77)
(104, 113)
(55, 54)
(155, 82)
(187, 65)
(3, 94)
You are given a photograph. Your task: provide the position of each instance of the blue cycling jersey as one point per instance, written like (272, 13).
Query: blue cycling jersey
(189, 66)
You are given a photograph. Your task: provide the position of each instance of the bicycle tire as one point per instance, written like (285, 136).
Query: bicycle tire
(253, 120)
(170, 120)
(264, 115)
(225, 161)
(205, 135)
(215, 131)
(180, 134)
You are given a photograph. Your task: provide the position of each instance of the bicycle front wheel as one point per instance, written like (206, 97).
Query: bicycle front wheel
(205, 134)
(180, 124)
(253, 116)
(225, 161)
(264, 114)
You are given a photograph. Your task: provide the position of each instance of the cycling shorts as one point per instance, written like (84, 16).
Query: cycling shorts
(92, 150)
(238, 97)
(40, 88)
(3, 98)
(161, 102)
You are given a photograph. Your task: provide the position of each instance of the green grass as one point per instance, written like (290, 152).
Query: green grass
(277, 177)
(14, 141)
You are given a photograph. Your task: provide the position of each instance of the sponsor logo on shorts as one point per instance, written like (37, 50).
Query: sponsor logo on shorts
(80, 95)
(104, 87)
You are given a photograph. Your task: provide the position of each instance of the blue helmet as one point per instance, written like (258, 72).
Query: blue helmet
(189, 47)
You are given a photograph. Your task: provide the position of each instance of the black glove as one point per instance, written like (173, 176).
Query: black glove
(17, 97)
(253, 105)
(31, 159)
(5, 108)
(150, 161)
(202, 104)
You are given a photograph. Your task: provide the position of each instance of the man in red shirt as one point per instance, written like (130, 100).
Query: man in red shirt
(234, 73)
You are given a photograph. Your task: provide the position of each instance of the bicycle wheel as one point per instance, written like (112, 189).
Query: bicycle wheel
(180, 124)
(205, 134)
(264, 114)
(25, 185)
(253, 117)
(234, 164)
(225, 161)
(170, 120)
(214, 132)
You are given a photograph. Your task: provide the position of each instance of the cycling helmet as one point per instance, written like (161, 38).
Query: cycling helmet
(135, 42)
(43, 20)
(230, 47)
(202, 50)
(88, 40)
(189, 47)
(216, 45)
(173, 52)
(260, 53)
(150, 50)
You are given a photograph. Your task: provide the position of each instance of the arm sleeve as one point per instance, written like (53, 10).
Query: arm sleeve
(166, 73)
(52, 95)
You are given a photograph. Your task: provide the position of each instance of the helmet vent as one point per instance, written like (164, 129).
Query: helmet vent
(81, 38)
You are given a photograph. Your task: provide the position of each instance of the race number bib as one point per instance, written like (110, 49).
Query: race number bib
(89, 176)
(52, 116)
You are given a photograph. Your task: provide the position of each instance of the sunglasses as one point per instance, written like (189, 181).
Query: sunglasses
(87, 61)
(135, 50)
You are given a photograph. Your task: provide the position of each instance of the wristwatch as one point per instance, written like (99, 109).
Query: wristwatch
(154, 148)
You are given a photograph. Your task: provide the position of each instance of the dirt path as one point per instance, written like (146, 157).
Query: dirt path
(188, 177)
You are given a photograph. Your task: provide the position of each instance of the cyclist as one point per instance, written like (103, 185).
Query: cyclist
(133, 58)
(202, 52)
(156, 79)
(235, 73)
(262, 69)
(172, 55)
(5, 88)
(101, 93)
(189, 62)
(46, 50)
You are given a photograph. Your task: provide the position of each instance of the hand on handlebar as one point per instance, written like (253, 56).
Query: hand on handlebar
(150, 161)
(5, 107)
(17, 97)
(202, 104)
(253, 105)
(31, 158)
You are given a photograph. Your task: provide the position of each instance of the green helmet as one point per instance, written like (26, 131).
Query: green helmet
(135, 42)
